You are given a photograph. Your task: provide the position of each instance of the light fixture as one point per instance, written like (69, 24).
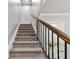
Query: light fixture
(26, 0)
(14, 1)
(35, 1)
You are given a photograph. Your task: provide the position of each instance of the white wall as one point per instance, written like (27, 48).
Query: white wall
(56, 6)
(59, 19)
(35, 11)
(26, 14)
(13, 18)
(36, 8)
(22, 14)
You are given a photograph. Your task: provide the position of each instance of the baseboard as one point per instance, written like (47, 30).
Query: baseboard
(13, 38)
(34, 27)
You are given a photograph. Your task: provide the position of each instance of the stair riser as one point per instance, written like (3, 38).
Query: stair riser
(19, 39)
(28, 54)
(24, 45)
(25, 34)
(26, 29)
(26, 25)
(25, 37)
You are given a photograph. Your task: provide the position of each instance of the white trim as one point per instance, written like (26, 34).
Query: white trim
(34, 26)
(55, 14)
(13, 38)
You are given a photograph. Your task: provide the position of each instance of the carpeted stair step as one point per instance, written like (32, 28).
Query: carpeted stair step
(25, 24)
(29, 57)
(25, 39)
(24, 44)
(26, 34)
(25, 29)
(26, 52)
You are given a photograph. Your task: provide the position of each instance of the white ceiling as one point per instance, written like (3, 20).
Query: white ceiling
(56, 6)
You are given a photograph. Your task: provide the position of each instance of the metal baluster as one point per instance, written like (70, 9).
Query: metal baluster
(52, 47)
(65, 50)
(45, 41)
(41, 33)
(58, 47)
(43, 36)
(48, 46)
(37, 29)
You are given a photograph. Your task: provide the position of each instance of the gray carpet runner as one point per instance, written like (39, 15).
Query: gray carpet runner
(26, 45)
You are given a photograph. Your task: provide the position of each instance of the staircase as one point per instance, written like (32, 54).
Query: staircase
(26, 45)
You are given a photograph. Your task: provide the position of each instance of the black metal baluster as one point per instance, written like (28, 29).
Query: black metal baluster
(58, 47)
(52, 47)
(45, 41)
(37, 29)
(43, 36)
(41, 33)
(65, 50)
(48, 46)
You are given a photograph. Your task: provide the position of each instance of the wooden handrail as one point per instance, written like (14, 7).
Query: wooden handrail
(58, 32)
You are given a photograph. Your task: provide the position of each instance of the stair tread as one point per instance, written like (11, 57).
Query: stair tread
(26, 42)
(25, 30)
(26, 33)
(24, 38)
(26, 50)
(29, 58)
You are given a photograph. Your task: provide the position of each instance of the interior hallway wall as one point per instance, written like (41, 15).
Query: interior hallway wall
(56, 6)
(61, 20)
(13, 18)
(26, 14)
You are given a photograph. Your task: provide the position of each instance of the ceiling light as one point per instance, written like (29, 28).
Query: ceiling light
(35, 1)
(26, 0)
(15, 1)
